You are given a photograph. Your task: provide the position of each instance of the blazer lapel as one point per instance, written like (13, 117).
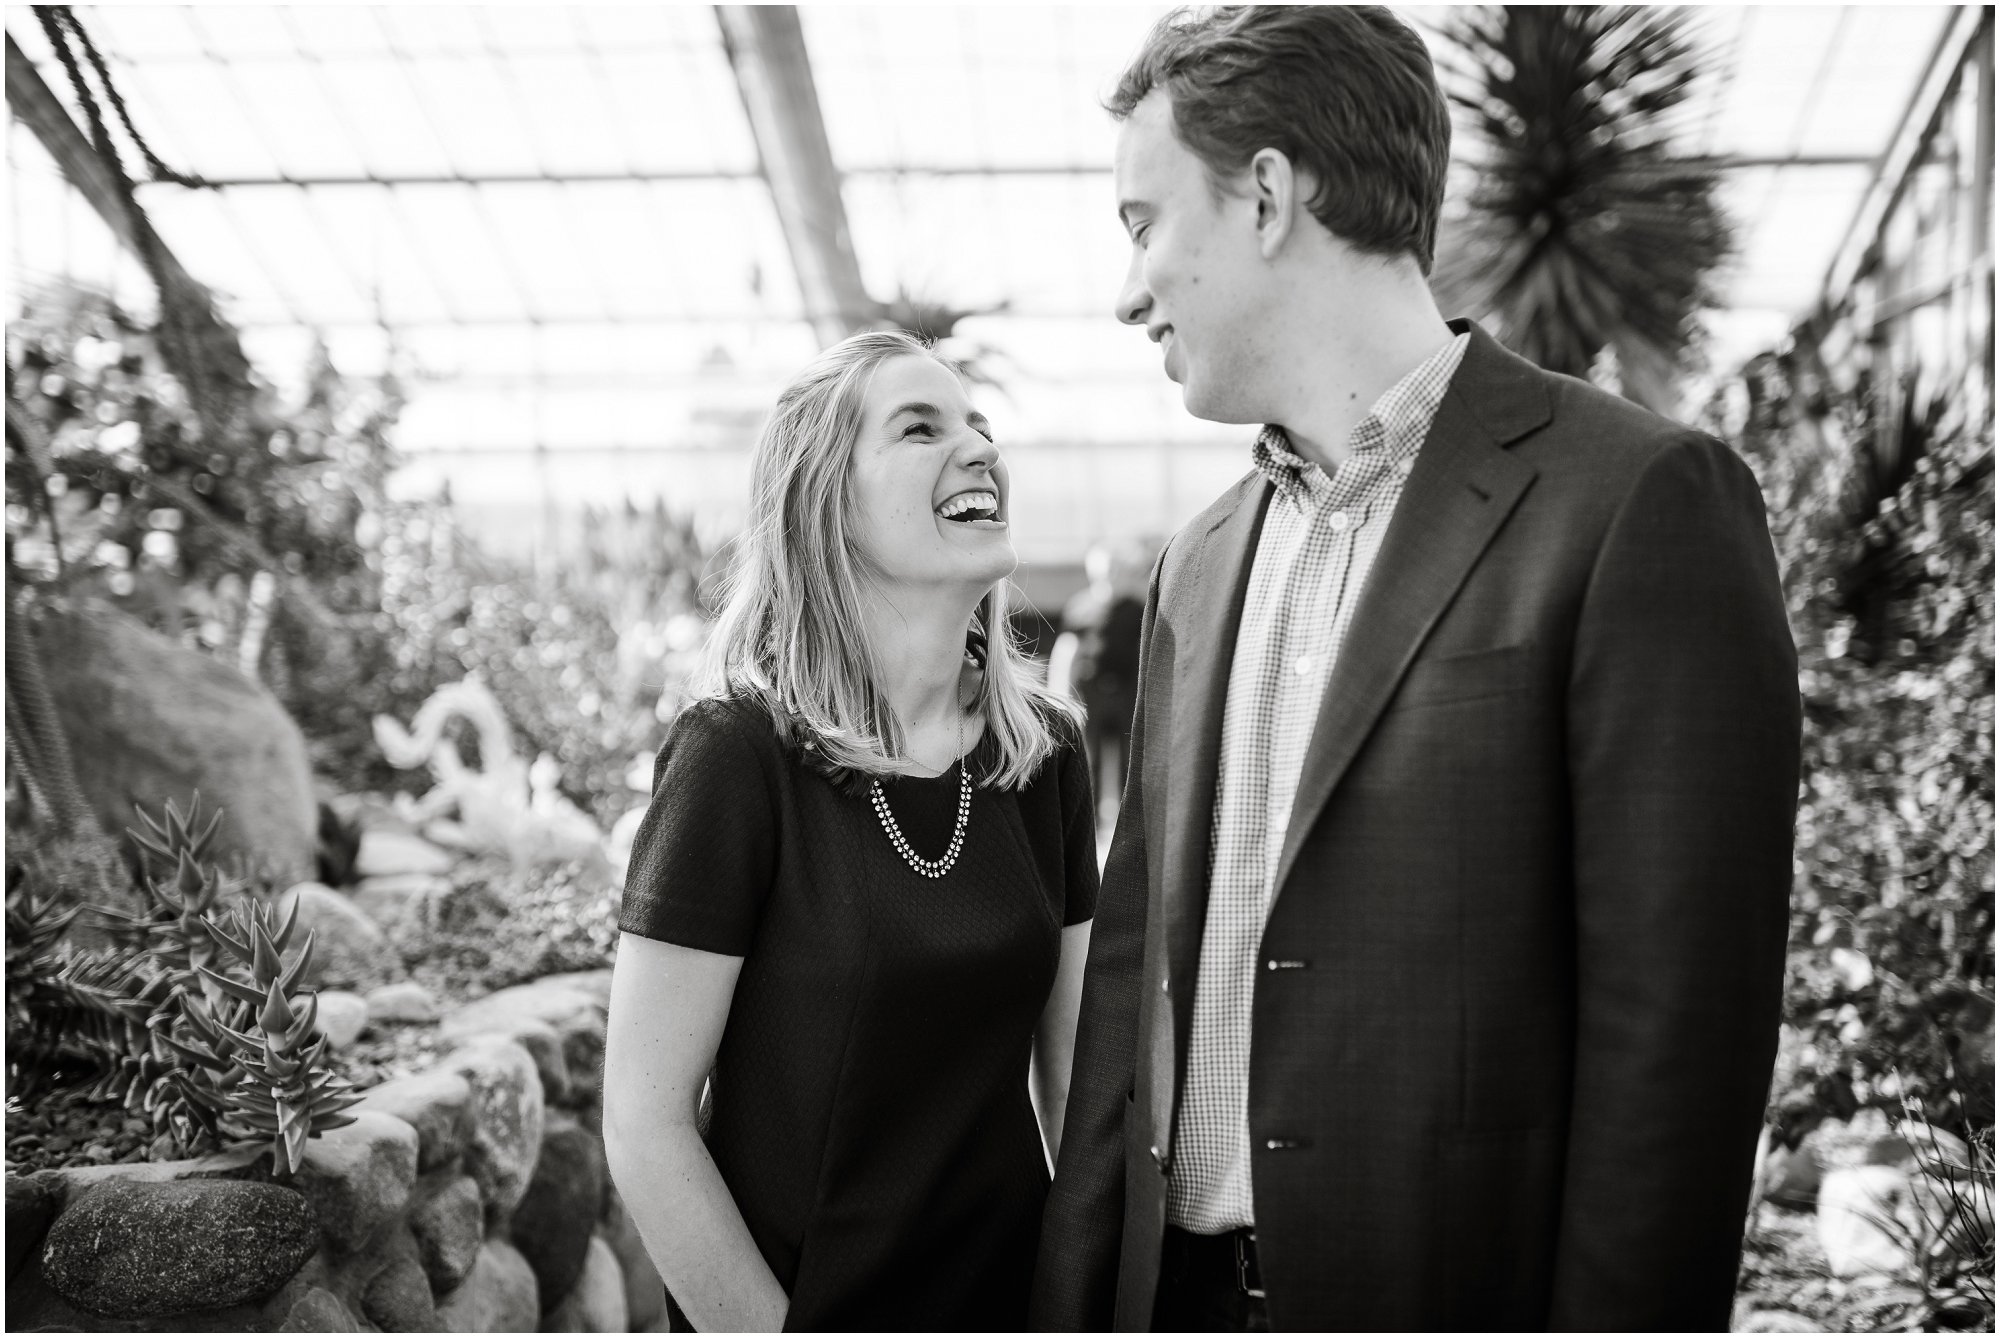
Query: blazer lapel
(1206, 645)
(1460, 491)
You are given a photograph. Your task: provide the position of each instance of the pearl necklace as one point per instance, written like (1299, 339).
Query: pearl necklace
(929, 868)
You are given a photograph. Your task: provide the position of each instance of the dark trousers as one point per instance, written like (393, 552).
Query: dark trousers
(1201, 1288)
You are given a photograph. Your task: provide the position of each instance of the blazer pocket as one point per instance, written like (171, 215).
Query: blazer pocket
(1463, 678)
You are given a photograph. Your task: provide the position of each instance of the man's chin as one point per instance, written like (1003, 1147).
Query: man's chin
(1196, 399)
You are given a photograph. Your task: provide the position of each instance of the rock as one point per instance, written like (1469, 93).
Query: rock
(32, 1204)
(1791, 1177)
(565, 1197)
(390, 852)
(348, 948)
(507, 1124)
(402, 903)
(499, 1296)
(405, 1001)
(1774, 1321)
(551, 1066)
(566, 1008)
(449, 1227)
(149, 720)
(645, 1293)
(574, 1011)
(398, 1299)
(319, 1311)
(596, 984)
(130, 1249)
(437, 1104)
(342, 1017)
(1863, 1220)
(596, 1304)
(359, 1177)
(339, 842)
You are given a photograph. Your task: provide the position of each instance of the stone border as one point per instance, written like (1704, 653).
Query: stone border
(470, 1197)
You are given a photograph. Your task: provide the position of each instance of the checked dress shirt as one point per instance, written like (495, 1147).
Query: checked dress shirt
(1319, 540)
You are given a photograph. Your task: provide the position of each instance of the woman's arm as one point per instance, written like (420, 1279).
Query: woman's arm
(668, 1006)
(1055, 1039)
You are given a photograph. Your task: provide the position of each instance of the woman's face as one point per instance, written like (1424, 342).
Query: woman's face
(928, 491)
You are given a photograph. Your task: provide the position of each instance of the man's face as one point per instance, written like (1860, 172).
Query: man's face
(1196, 272)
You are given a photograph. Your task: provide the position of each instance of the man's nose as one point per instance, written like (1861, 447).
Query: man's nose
(1133, 299)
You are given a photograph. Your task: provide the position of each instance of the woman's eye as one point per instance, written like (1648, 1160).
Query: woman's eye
(925, 428)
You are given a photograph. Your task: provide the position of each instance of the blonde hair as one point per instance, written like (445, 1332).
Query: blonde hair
(791, 635)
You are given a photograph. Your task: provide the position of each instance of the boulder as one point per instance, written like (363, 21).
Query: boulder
(508, 1115)
(342, 1017)
(402, 904)
(1863, 1220)
(574, 1012)
(449, 1227)
(437, 1104)
(499, 1296)
(149, 720)
(398, 1299)
(358, 1177)
(348, 947)
(596, 1304)
(319, 1311)
(384, 852)
(645, 1293)
(130, 1249)
(32, 1204)
(404, 1001)
(565, 1198)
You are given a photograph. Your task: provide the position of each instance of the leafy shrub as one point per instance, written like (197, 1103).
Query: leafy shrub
(1884, 529)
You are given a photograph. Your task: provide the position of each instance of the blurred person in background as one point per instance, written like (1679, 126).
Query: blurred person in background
(1436, 974)
(859, 902)
(1096, 658)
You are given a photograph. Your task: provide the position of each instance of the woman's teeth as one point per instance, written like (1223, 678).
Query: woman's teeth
(970, 506)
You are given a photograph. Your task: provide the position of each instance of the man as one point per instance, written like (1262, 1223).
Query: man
(1435, 976)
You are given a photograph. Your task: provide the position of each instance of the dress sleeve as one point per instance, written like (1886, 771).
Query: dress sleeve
(703, 858)
(1079, 810)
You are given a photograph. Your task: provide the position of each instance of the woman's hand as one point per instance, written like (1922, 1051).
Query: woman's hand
(668, 1007)
(1055, 1039)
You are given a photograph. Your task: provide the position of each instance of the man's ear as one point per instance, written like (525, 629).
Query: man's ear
(1275, 188)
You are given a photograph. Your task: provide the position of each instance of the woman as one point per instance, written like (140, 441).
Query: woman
(859, 904)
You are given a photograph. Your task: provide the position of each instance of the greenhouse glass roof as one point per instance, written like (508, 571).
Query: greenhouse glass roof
(549, 220)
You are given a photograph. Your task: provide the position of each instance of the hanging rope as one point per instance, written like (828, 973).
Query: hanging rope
(184, 344)
(66, 17)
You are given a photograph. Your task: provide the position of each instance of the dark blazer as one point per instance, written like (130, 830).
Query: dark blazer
(1513, 1038)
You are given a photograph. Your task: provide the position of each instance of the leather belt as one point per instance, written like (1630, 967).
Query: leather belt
(1232, 1255)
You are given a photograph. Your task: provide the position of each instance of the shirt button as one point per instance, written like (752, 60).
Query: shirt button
(1302, 666)
(1338, 521)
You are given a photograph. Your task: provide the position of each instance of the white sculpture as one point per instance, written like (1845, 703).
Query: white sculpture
(508, 807)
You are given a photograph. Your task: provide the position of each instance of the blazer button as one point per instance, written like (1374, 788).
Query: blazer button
(1166, 985)
(1159, 1158)
(1284, 1144)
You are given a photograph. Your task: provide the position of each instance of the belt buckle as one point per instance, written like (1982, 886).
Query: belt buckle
(1241, 1240)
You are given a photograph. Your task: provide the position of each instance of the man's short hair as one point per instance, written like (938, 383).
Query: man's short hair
(1345, 92)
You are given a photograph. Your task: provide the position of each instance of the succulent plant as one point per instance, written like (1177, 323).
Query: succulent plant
(284, 1093)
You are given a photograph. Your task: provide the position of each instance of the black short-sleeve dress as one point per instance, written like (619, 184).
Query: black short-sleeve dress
(870, 1094)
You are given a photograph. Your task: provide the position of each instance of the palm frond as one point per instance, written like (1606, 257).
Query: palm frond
(1587, 227)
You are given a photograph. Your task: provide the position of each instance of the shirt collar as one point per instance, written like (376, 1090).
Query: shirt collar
(1396, 425)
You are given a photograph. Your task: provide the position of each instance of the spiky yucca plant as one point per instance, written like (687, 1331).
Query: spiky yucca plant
(1588, 227)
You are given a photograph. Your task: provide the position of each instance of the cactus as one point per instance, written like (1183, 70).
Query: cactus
(284, 1094)
(194, 1019)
